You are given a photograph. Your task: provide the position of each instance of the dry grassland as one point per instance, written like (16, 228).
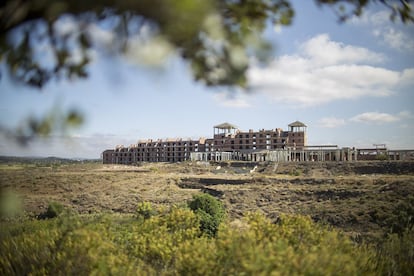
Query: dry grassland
(360, 198)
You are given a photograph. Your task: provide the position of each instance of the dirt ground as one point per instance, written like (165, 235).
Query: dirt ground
(362, 198)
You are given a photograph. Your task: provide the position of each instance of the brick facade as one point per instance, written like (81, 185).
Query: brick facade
(226, 138)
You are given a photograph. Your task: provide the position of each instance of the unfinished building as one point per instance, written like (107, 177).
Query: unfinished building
(226, 138)
(230, 143)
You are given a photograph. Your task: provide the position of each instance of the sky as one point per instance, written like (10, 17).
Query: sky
(351, 83)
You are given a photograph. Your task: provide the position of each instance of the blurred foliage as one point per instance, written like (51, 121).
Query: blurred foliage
(396, 254)
(170, 244)
(145, 210)
(10, 204)
(399, 10)
(402, 216)
(42, 40)
(45, 39)
(55, 121)
(54, 209)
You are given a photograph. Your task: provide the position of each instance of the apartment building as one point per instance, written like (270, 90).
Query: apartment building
(169, 150)
(226, 138)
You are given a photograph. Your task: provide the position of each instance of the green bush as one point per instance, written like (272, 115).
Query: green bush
(210, 211)
(145, 210)
(382, 157)
(295, 172)
(402, 216)
(54, 209)
(170, 243)
(396, 254)
(256, 246)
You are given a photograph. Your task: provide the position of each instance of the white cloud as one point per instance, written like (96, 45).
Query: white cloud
(405, 114)
(324, 51)
(366, 117)
(389, 33)
(370, 18)
(324, 71)
(234, 100)
(375, 117)
(407, 77)
(397, 39)
(70, 146)
(331, 122)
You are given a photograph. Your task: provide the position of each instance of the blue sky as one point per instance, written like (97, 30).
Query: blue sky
(351, 84)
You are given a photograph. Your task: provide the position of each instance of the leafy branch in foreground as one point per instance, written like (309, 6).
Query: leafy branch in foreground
(42, 40)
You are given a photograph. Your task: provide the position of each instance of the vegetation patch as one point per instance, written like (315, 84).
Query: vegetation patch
(132, 218)
(172, 243)
(210, 211)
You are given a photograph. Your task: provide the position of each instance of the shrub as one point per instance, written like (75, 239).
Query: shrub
(294, 246)
(145, 210)
(170, 244)
(396, 255)
(210, 211)
(402, 216)
(295, 172)
(54, 209)
(382, 157)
